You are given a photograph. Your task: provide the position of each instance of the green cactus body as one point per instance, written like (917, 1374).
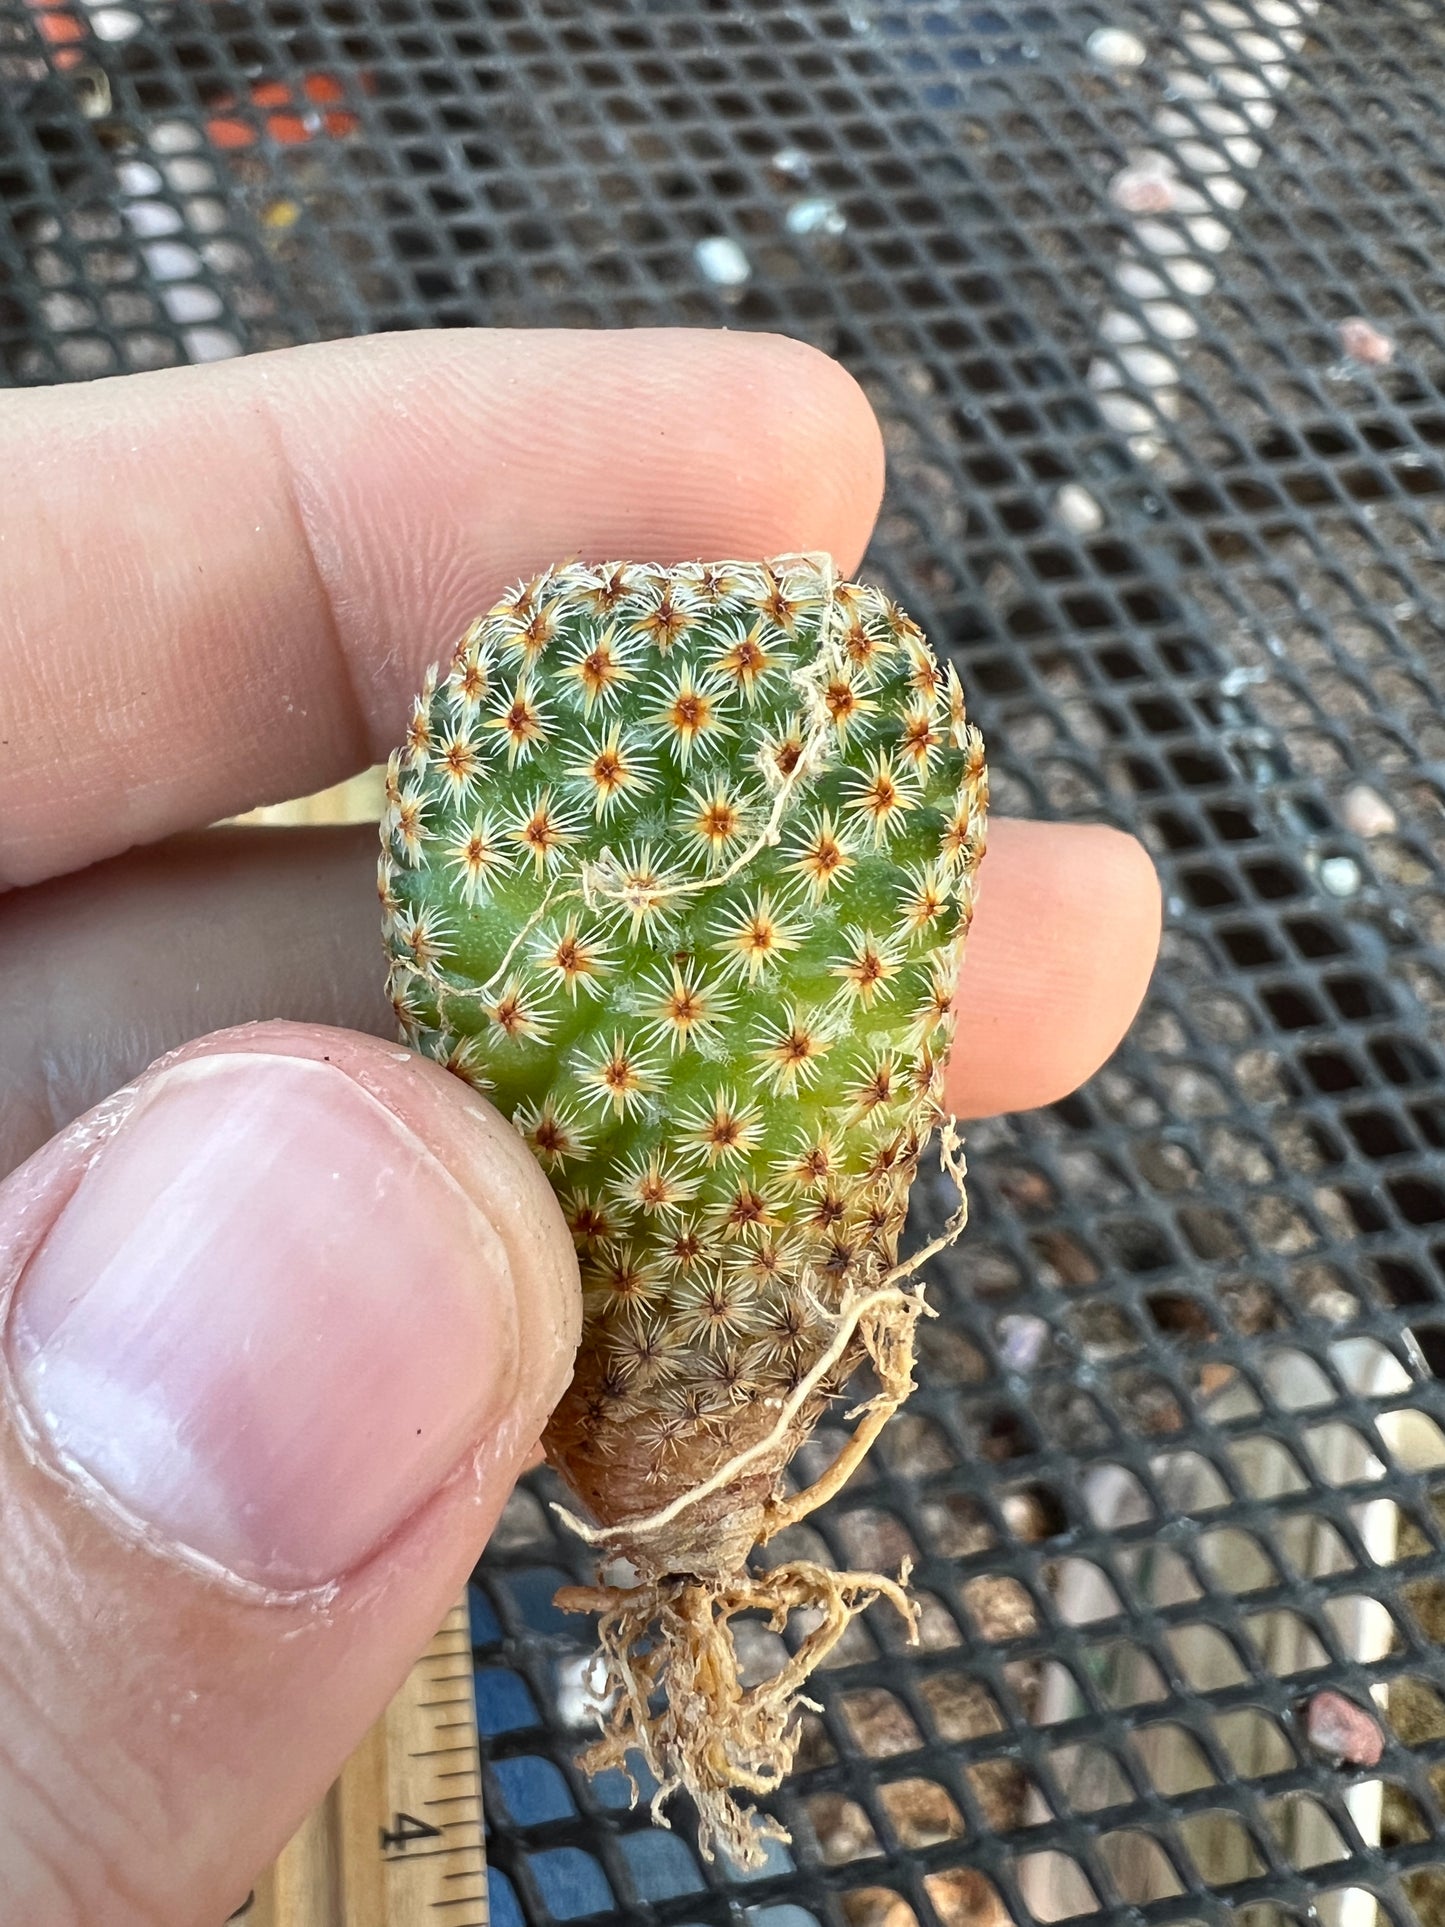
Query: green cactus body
(676, 867)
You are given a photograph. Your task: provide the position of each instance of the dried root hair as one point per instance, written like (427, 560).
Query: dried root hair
(710, 1734)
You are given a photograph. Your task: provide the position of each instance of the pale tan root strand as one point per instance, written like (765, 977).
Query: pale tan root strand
(888, 1333)
(672, 1641)
(883, 1317)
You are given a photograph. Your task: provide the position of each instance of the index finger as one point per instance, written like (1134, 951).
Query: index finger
(220, 585)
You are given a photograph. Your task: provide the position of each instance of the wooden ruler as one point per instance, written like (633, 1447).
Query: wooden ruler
(397, 1842)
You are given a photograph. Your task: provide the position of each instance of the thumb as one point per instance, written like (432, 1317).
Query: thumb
(281, 1323)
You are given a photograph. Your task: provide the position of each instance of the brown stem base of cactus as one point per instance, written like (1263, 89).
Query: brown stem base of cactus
(671, 1641)
(666, 1645)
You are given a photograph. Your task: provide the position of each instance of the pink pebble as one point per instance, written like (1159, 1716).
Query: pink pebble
(1364, 341)
(1343, 1731)
(1143, 190)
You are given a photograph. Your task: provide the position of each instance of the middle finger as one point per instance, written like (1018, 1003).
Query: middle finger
(231, 925)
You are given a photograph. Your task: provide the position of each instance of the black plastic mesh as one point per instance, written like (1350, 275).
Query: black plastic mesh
(1167, 443)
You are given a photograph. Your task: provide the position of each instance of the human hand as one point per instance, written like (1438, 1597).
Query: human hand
(284, 1317)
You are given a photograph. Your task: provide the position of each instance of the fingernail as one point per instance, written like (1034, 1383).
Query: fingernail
(268, 1322)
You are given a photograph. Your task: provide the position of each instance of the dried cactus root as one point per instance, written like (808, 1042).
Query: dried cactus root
(707, 1732)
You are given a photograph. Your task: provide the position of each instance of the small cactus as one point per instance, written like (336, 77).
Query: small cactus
(676, 868)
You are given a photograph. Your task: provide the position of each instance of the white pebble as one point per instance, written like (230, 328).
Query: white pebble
(1120, 328)
(137, 177)
(189, 175)
(1341, 876)
(210, 344)
(792, 163)
(1205, 232)
(171, 260)
(581, 1689)
(1190, 277)
(1363, 341)
(1145, 284)
(1022, 1338)
(1123, 413)
(1078, 510)
(1158, 237)
(1147, 368)
(817, 216)
(1116, 47)
(1161, 240)
(1367, 813)
(1172, 322)
(174, 136)
(1228, 191)
(1245, 84)
(1190, 200)
(191, 301)
(62, 310)
(1257, 46)
(149, 218)
(723, 262)
(114, 23)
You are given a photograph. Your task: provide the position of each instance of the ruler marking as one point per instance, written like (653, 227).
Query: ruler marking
(381, 1814)
(403, 1858)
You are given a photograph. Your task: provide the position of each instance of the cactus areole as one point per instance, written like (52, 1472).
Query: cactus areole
(677, 865)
